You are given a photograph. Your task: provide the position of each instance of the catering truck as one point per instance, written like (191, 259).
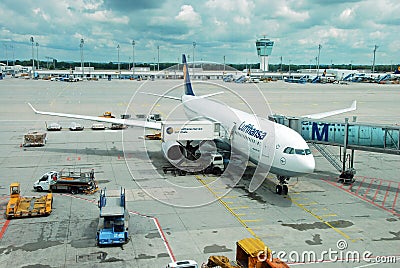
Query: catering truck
(70, 181)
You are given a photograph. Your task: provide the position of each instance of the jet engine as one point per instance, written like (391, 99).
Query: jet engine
(173, 151)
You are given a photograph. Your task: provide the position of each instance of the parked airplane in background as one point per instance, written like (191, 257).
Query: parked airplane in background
(269, 145)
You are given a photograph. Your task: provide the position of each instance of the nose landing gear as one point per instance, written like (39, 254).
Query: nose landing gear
(282, 187)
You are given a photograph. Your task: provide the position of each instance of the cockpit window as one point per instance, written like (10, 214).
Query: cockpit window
(288, 150)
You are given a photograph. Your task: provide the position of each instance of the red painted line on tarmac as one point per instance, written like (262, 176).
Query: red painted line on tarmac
(165, 240)
(395, 198)
(369, 187)
(392, 211)
(360, 185)
(377, 190)
(4, 228)
(387, 193)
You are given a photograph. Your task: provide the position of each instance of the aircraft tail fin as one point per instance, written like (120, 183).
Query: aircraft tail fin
(186, 77)
(397, 71)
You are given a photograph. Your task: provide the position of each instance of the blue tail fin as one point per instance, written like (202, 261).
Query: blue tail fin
(397, 71)
(186, 77)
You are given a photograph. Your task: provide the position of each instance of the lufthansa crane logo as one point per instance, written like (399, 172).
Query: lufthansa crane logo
(169, 130)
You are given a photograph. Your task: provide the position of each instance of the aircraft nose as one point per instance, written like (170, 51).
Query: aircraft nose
(309, 164)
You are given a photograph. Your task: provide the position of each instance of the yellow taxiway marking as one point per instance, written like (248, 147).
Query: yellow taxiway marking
(329, 215)
(240, 207)
(309, 204)
(321, 219)
(225, 204)
(229, 196)
(256, 220)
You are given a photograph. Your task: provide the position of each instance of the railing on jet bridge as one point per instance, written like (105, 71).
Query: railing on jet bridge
(366, 137)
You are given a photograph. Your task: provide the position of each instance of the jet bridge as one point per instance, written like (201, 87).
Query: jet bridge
(347, 135)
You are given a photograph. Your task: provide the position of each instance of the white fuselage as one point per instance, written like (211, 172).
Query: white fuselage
(266, 143)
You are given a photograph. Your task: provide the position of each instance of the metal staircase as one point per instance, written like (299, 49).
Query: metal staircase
(328, 155)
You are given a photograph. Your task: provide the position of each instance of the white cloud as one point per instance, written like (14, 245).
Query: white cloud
(347, 15)
(107, 16)
(289, 14)
(189, 16)
(241, 20)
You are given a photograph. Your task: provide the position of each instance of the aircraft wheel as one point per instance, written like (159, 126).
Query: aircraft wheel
(285, 189)
(278, 189)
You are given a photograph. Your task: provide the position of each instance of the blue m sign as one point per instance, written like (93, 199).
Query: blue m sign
(322, 135)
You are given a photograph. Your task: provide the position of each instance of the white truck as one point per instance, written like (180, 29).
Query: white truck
(80, 182)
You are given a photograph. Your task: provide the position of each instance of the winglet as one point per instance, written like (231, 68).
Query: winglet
(186, 77)
(331, 113)
(353, 106)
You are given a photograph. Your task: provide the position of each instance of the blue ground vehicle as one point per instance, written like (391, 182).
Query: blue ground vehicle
(114, 220)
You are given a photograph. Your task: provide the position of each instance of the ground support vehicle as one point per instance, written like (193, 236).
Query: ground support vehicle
(114, 220)
(250, 252)
(98, 126)
(216, 167)
(115, 126)
(156, 136)
(19, 206)
(54, 127)
(107, 115)
(73, 182)
(76, 127)
(34, 139)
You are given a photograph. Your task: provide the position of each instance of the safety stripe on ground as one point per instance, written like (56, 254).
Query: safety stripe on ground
(371, 197)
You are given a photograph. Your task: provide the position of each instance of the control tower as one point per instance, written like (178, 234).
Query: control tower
(264, 49)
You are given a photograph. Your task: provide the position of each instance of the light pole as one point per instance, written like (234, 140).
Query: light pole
(223, 74)
(37, 54)
(5, 46)
(119, 74)
(158, 58)
(133, 57)
(319, 53)
(82, 64)
(33, 58)
(373, 63)
(194, 46)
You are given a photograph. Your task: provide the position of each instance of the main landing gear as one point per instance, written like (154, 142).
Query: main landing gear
(282, 187)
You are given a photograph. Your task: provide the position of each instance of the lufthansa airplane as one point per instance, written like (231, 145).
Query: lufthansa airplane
(271, 146)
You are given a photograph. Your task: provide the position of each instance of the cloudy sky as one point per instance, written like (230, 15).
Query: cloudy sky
(347, 30)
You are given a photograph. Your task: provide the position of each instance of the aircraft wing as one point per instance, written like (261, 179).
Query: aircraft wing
(330, 113)
(127, 122)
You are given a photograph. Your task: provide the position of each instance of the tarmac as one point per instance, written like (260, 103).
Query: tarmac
(193, 216)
